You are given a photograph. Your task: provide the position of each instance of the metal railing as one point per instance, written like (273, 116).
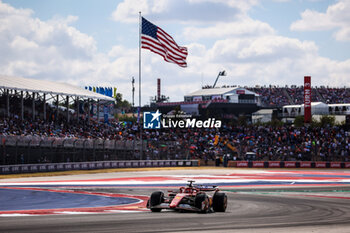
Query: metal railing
(34, 149)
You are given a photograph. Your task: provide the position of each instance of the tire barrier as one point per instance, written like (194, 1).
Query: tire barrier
(287, 164)
(51, 167)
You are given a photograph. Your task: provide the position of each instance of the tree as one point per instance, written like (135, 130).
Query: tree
(299, 121)
(327, 120)
(123, 104)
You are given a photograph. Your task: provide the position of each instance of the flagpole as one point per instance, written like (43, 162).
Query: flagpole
(140, 125)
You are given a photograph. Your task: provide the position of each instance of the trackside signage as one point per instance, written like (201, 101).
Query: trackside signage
(320, 164)
(258, 164)
(335, 165)
(154, 120)
(242, 164)
(274, 164)
(289, 164)
(305, 164)
(8, 169)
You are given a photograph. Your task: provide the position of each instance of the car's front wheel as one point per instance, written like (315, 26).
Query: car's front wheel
(201, 202)
(156, 199)
(219, 202)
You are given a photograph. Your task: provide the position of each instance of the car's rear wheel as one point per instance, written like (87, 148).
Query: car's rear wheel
(201, 202)
(156, 199)
(219, 202)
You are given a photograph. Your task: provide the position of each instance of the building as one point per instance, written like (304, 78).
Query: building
(231, 94)
(221, 103)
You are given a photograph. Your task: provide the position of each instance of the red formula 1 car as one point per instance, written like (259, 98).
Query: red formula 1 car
(190, 198)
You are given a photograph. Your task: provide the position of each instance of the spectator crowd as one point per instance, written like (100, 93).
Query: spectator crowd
(274, 96)
(267, 142)
(286, 143)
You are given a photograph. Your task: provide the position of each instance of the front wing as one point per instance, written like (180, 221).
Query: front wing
(185, 207)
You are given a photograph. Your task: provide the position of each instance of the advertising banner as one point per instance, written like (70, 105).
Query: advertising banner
(305, 164)
(84, 166)
(197, 98)
(289, 164)
(347, 165)
(258, 164)
(242, 164)
(15, 169)
(33, 168)
(335, 164)
(92, 165)
(5, 170)
(307, 99)
(60, 167)
(42, 168)
(320, 164)
(25, 168)
(106, 164)
(274, 164)
(51, 167)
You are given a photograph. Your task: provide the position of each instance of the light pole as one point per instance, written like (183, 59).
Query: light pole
(221, 73)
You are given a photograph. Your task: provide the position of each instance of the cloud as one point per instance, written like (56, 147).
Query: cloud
(41, 47)
(261, 49)
(264, 60)
(249, 50)
(336, 17)
(242, 28)
(184, 11)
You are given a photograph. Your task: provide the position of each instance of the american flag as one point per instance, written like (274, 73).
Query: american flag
(158, 41)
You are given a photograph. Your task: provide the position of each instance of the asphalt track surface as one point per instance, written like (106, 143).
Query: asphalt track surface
(51, 200)
(267, 209)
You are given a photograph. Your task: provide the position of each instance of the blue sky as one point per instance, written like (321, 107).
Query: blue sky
(258, 42)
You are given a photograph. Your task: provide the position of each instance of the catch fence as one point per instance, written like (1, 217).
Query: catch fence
(33, 149)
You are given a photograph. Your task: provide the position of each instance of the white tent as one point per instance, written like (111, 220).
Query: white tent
(317, 108)
(48, 87)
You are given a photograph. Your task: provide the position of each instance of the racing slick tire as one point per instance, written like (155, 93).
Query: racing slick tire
(201, 202)
(219, 202)
(156, 199)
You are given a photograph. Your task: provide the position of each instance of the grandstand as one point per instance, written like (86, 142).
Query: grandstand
(230, 102)
(20, 96)
(274, 96)
(28, 135)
